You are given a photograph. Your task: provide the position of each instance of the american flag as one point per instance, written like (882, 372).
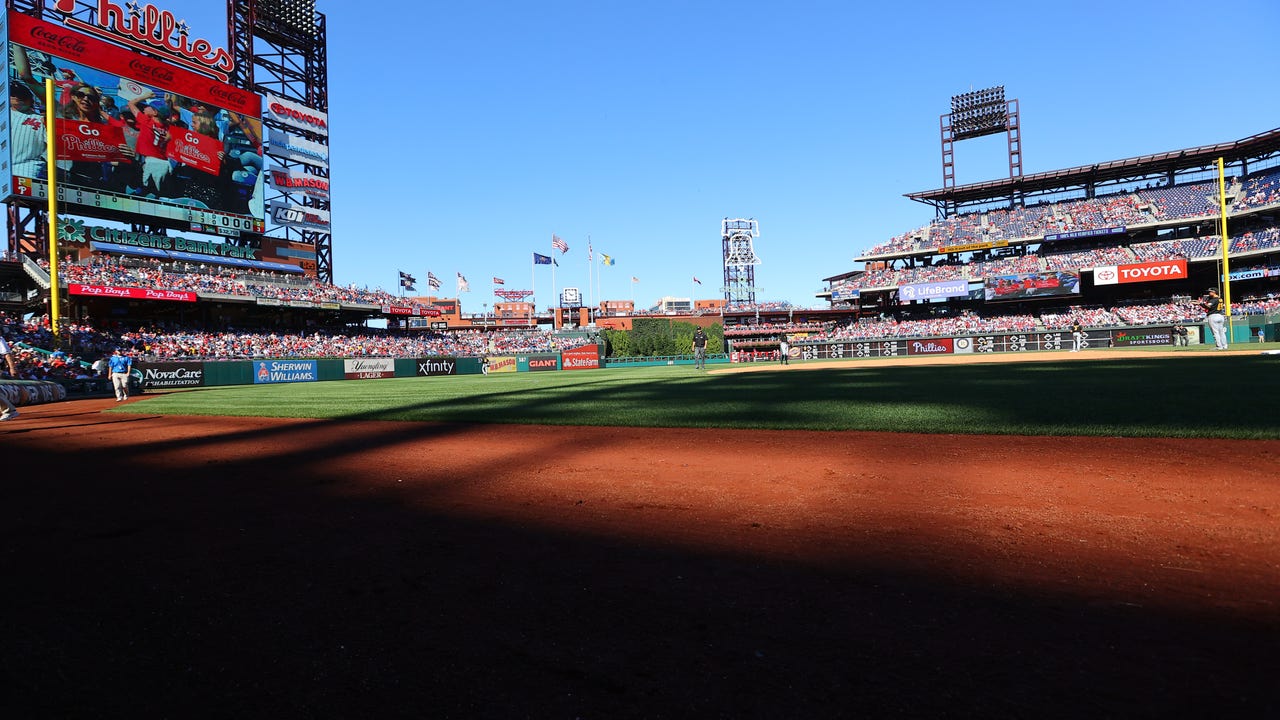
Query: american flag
(559, 244)
(498, 281)
(433, 281)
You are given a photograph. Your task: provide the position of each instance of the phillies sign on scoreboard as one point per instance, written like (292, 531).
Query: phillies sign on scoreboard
(1140, 272)
(148, 28)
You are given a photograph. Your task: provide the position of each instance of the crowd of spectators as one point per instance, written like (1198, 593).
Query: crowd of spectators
(216, 279)
(1125, 209)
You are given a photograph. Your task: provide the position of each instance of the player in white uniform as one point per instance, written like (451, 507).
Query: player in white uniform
(26, 133)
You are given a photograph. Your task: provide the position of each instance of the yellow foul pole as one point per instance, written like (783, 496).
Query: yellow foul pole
(1226, 270)
(51, 151)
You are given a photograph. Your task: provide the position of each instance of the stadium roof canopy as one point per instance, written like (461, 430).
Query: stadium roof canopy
(1134, 169)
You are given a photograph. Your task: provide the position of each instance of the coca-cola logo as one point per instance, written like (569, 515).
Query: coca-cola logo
(235, 97)
(151, 70)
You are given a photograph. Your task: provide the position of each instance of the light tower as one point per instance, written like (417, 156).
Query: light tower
(739, 260)
(977, 114)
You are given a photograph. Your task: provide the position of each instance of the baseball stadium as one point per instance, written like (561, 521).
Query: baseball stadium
(1019, 461)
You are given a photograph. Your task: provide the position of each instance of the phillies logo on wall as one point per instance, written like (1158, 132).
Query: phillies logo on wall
(147, 27)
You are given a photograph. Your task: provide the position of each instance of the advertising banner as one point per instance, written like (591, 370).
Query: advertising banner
(306, 218)
(1140, 272)
(541, 363)
(291, 113)
(586, 357)
(1145, 336)
(502, 365)
(306, 183)
(940, 346)
(1074, 234)
(130, 293)
(368, 368)
(285, 371)
(435, 366)
(171, 374)
(931, 290)
(295, 147)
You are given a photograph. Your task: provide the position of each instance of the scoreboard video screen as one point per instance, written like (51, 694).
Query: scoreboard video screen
(137, 140)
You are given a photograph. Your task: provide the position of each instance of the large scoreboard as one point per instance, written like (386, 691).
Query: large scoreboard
(138, 140)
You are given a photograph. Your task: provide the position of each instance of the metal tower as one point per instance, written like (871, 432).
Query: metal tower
(739, 260)
(280, 48)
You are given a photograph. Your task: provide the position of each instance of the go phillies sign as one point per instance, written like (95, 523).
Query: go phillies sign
(287, 112)
(1140, 272)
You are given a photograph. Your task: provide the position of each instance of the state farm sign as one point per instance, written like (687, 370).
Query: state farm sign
(586, 357)
(1140, 272)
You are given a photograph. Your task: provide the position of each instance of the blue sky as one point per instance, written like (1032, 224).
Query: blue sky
(463, 135)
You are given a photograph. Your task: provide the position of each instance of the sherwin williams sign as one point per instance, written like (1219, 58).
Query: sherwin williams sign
(284, 371)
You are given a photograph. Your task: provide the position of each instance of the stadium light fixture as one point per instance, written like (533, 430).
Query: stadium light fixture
(299, 15)
(978, 113)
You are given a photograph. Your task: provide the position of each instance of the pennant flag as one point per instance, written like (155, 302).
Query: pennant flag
(407, 281)
(559, 244)
(555, 262)
(541, 259)
(463, 285)
(635, 279)
(498, 281)
(589, 255)
(433, 281)
(695, 279)
(606, 259)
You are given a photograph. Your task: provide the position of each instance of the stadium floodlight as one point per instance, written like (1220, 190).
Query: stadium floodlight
(299, 15)
(978, 113)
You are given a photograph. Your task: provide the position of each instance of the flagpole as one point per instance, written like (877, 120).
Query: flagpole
(533, 292)
(591, 291)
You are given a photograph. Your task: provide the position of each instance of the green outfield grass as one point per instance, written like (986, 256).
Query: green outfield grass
(1200, 395)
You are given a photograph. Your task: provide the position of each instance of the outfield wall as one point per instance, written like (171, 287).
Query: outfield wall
(177, 374)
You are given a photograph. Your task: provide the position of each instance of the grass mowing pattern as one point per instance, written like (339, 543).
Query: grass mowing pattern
(1194, 396)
